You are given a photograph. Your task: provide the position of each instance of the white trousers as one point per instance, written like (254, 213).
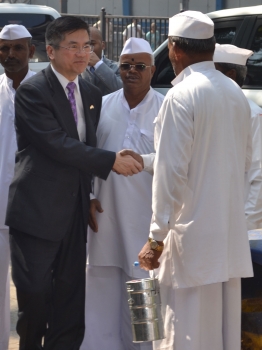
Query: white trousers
(202, 318)
(108, 324)
(4, 289)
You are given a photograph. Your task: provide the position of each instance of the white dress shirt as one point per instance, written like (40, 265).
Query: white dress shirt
(124, 224)
(8, 145)
(81, 124)
(203, 147)
(253, 205)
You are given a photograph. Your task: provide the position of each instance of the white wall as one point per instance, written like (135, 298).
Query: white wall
(241, 3)
(158, 8)
(165, 8)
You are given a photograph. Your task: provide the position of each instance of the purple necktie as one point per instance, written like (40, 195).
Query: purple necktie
(71, 97)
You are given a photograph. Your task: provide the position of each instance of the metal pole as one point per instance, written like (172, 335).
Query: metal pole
(184, 5)
(103, 22)
(63, 6)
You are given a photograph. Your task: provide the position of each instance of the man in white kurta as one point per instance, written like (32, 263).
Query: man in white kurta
(203, 148)
(231, 61)
(13, 40)
(127, 121)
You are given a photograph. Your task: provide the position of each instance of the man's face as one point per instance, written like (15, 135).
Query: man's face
(15, 54)
(134, 79)
(97, 42)
(67, 62)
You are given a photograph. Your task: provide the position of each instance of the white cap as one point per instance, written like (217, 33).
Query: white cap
(136, 45)
(231, 54)
(191, 25)
(14, 31)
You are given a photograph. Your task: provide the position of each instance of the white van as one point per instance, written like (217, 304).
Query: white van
(239, 26)
(35, 18)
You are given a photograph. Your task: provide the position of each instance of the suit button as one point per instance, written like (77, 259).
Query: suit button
(74, 194)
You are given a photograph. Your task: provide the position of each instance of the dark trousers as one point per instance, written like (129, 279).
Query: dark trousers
(50, 282)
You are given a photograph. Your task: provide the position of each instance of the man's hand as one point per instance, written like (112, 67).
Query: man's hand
(126, 165)
(94, 207)
(136, 156)
(93, 59)
(148, 258)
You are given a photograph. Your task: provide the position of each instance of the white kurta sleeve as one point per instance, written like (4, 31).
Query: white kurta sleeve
(253, 205)
(173, 143)
(148, 160)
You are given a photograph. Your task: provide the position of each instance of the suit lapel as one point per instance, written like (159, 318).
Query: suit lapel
(65, 115)
(90, 112)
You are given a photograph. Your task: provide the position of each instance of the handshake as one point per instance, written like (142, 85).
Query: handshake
(128, 163)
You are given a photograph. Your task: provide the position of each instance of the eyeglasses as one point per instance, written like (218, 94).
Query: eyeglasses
(140, 66)
(76, 49)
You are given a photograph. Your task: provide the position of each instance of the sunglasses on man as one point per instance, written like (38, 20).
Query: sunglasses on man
(139, 67)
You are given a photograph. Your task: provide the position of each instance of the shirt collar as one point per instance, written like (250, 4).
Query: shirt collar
(146, 99)
(63, 80)
(196, 67)
(101, 60)
(10, 81)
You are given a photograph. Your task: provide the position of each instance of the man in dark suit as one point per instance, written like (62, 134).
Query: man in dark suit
(56, 118)
(101, 71)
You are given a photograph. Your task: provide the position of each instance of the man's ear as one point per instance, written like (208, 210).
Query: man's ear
(50, 51)
(232, 73)
(153, 69)
(31, 51)
(178, 53)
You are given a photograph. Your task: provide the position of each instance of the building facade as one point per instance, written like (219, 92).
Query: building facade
(158, 8)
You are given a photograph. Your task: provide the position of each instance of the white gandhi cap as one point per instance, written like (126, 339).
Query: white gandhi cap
(231, 54)
(191, 25)
(136, 45)
(14, 32)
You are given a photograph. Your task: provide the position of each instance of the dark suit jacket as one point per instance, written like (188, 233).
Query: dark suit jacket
(52, 166)
(106, 77)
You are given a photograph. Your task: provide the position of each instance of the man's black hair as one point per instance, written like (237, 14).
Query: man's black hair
(57, 29)
(193, 46)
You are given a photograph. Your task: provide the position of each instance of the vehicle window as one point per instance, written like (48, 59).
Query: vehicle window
(36, 25)
(254, 64)
(225, 35)
(165, 73)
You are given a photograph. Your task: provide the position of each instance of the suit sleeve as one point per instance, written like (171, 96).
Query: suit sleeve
(109, 76)
(36, 120)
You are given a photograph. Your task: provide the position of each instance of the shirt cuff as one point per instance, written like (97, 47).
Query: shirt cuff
(98, 64)
(157, 236)
(148, 160)
(92, 196)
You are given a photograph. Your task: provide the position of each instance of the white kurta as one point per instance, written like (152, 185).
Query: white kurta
(8, 144)
(8, 148)
(253, 205)
(123, 226)
(203, 146)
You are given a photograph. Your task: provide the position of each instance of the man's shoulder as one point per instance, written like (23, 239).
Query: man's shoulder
(158, 95)
(255, 109)
(89, 87)
(112, 97)
(110, 63)
(2, 78)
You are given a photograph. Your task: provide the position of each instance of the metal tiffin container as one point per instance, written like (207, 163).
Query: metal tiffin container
(145, 309)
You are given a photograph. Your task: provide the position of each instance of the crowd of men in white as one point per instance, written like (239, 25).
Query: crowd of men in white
(199, 193)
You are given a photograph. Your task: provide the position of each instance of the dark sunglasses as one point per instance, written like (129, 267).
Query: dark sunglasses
(140, 66)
